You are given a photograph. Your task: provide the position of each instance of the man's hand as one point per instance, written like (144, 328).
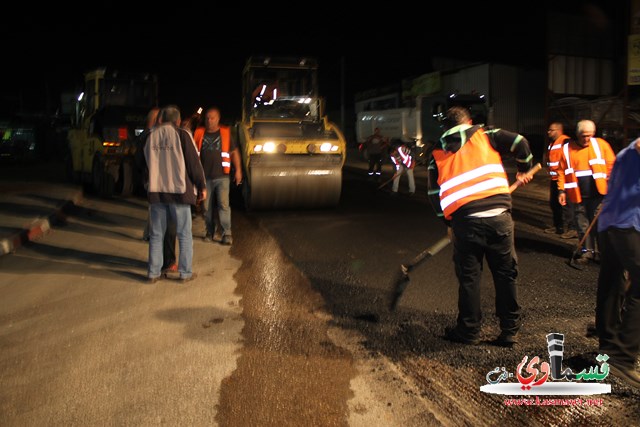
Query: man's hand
(524, 177)
(562, 198)
(202, 195)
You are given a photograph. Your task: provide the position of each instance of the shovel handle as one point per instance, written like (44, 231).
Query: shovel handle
(427, 253)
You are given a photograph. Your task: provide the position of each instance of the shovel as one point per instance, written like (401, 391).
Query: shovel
(403, 281)
(572, 260)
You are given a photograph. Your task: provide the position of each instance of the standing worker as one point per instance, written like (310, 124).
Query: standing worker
(561, 215)
(169, 264)
(403, 162)
(218, 150)
(583, 172)
(469, 190)
(375, 146)
(176, 182)
(619, 238)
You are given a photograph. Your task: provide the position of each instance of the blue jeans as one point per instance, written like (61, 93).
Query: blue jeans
(218, 212)
(160, 214)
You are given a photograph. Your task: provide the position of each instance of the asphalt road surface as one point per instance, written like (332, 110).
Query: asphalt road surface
(289, 326)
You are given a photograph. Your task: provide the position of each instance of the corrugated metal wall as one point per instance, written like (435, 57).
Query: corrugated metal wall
(580, 56)
(580, 76)
(504, 97)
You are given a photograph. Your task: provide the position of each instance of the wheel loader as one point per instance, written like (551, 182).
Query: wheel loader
(109, 114)
(292, 155)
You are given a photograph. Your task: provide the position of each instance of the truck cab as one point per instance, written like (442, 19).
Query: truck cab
(108, 116)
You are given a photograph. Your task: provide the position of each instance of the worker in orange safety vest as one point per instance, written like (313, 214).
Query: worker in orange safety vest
(561, 215)
(583, 173)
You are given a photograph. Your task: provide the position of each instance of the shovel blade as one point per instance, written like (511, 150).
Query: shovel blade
(571, 262)
(399, 289)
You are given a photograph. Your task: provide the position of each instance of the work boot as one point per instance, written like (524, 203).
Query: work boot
(172, 268)
(227, 240)
(455, 335)
(188, 279)
(570, 234)
(505, 339)
(554, 230)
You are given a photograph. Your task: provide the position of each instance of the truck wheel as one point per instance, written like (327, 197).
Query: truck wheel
(107, 186)
(246, 194)
(103, 182)
(72, 176)
(96, 176)
(126, 179)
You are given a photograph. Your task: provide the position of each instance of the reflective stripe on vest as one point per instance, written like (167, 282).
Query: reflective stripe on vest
(553, 155)
(225, 137)
(405, 157)
(597, 169)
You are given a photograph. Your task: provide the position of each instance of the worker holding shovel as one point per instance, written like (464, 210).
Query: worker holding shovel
(469, 189)
(583, 172)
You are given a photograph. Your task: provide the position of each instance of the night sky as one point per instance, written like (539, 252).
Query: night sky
(199, 56)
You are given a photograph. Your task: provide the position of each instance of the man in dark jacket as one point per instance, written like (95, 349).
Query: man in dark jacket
(619, 236)
(176, 182)
(469, 189)
(169, 257)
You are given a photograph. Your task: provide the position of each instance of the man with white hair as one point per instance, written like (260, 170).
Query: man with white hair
(583, 174)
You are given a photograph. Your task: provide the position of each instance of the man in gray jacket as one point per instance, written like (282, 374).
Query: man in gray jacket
(176, 182)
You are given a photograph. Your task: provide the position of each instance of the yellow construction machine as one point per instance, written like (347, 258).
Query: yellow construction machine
(292, 154)
(110, 113)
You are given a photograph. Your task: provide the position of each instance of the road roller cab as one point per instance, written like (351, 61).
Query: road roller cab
(292, 154)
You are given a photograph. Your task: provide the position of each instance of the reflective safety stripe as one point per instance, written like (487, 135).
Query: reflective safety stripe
(472, 174)
(584, 173)
(467, 191)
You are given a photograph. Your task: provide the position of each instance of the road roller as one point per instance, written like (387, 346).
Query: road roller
(292, 155)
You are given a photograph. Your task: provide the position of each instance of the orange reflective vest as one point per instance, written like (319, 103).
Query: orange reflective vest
(595, 160)
(225, 136)
(554, 154)
(402, 156)
(472, 173)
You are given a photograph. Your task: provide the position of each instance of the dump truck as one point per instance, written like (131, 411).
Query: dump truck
(108, 116)
(292, 154)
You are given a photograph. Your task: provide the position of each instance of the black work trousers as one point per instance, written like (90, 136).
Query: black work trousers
(375, 164)
(562, 215)
(584, 214)
(474, 240)
(619, 329)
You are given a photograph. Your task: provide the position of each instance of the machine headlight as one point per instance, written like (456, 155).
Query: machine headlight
(327, 147)
(269, 147)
